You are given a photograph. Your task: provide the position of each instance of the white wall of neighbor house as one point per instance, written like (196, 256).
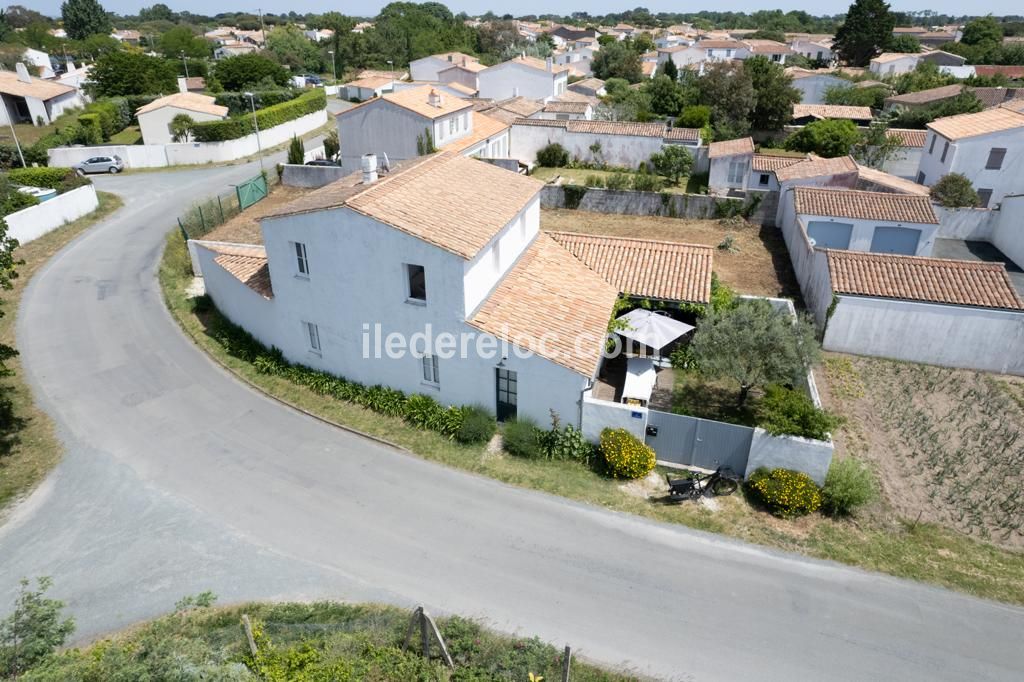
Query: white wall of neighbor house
(616, 150)
(484, 272)
(155, 125)
(810, 265)
(730, 172)
(935, 334)
(357, 275)
(61, 104)
(1008, 230)
(864, 231)
(452, 127)
(379, 128)
(35, 221)
(977, 224)
(970, 156)
(904, 163)
(813, 88)
(511, 79)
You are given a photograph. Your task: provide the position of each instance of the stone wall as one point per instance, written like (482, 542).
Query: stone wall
(629, 202)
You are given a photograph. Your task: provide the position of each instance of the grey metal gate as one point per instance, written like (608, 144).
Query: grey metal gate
(691, 441)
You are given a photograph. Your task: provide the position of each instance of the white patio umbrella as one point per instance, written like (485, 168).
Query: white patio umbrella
(651, 328)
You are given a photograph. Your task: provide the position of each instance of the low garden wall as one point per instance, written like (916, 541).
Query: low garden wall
(294, 175)
(630, 202)
(35, 221)
(813, 457)
(604, 414)
(965, 223)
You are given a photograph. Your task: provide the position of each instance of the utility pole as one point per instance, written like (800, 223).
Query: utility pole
(17, 144)
(256, 123)
(263, 29)
(185, 62)
(334, 66)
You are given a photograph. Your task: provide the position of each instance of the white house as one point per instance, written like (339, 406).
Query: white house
(730, 164)
(567, 111)
(434, 279)
(155, 118)
(772, 50)
(807, 113)
(894, 63)
(430, 68)
(395, 127)
(39, 61)
(987, 147)
(616, 143)
(816, 50)
(524, 77)
(368, 88)
(464, 73)
(233, 48)
(813, 85)
(34, 100)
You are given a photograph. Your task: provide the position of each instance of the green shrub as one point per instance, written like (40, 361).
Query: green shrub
(954, 190)
(12, 201)
(695, 116)
(296, 151)
(478, 425)
(567, 444)
(784, 492)
(618, 180)
(682, 358)
(239, 126)
(523, 438)
(58, 178)
(92, 131)
(785, 412)
(594, 181)
(646, 182)
(238, 104)
(625, 455)
(849, 485)
(553, 156)
(573, 195)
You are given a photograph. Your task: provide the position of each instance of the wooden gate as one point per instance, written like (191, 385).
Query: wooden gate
(251, 191)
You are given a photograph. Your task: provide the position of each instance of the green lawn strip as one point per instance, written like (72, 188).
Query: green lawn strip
(30, 449)
(924, 552)
(578, 176)
(130, 135)
(322, 640)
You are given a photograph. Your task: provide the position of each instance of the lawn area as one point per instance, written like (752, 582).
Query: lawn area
(28, 446)
(757, 264)
(878, 540)
(130, 135)
(713, 399)
(319, 641)
(948, 444)
(578, 176)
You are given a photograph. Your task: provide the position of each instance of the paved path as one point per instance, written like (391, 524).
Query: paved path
(178, 479)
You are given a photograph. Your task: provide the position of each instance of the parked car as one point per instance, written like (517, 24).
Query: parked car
(312, 79)
(100, 164)
(321, 162)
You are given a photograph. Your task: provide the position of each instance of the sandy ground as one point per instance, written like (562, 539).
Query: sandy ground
(946, 445)
(244, 228)
(759, 263)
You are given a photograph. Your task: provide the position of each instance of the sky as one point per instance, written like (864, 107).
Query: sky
(520, 7)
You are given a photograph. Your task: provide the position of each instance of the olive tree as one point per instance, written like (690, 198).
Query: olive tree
(33, 631)
(754, 344)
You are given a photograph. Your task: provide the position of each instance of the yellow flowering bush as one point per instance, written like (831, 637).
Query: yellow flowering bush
(784, 492)
(625, 455)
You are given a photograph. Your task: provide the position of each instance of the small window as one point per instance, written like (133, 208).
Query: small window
(430, 374)
(301, 262)
(312, 336)
(920, 178)
(995, 159)
(452, 123)
(931, 148)
(945, 150)
(984, 196)
(763, 180)
(417, 280)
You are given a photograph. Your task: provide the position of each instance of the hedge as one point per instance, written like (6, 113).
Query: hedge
(242, 125)
(92, 129)
(238, 104)
(60, 179)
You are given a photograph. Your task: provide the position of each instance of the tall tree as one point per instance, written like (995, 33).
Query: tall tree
(669, 69)
(729, 92)
(982, 30)
(33, 631)
(828, 138)
(666, 96)
(617, 61)
(83, 18)
(131, 73)
(775, 93)
(877, 146)
(181, 39)
(342, 26)
(868, 28)
(248, 70)
(289, 45)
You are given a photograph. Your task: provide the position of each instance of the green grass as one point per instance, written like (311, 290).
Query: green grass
(922, 552)
(578, 176)
(130, 135)
(28, 446)
(318, 641)
(715, 399)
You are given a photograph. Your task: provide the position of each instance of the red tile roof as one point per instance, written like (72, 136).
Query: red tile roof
(846, 203)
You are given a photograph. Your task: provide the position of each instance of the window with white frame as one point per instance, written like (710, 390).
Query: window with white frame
(301, 261)
(430, 373)
(312, 337)
(737, 169)
(416, 282)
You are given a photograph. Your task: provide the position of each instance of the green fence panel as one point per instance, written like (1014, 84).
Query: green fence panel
(251, 191)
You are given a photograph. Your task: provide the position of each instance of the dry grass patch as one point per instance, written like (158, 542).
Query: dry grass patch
(28, 446)
(757, 264)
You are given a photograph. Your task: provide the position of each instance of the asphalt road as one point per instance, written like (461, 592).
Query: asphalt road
(178, 479)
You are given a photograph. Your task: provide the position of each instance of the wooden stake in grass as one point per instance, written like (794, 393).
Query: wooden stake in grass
(247, 626)
(426, 627)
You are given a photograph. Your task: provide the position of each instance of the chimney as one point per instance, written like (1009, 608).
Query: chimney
(22, 73)
(182, 84)
(369, 163)
(549, 63)
(434, 99)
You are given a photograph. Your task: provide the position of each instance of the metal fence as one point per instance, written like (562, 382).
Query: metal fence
(204, 216)
(695, 442)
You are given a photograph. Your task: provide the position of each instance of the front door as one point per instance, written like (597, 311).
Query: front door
(507, 388)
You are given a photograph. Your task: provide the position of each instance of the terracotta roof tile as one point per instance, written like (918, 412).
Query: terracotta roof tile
(248, 264)
(190, 101)
(460, 88)
(483, 127)
(982, 123)
(909, 137)
(644, 267)
(682, 134)
(472, 67)
(846, 203)
(831, 111)
(719, 44)
(914, 278)
(887, 57)
(418, 100)
(566, 107)
(815, 167)
(371, 82)
(872, 176)
(617, 128)
(10, 84)
(542, 122)
(535, 63)
(767, 47)
(771, 162)
(926, 96)
(743, 145)
(547, 303)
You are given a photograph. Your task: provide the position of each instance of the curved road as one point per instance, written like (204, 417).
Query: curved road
(178, 479)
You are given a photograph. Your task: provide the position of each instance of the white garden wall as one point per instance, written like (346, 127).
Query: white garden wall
(604, 414)
(813, 457)
(35, 221)
(966, 223)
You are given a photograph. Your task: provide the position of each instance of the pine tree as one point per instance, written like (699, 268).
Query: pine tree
(83, 18)
(296, 151)
(670, 69)
(868, 27)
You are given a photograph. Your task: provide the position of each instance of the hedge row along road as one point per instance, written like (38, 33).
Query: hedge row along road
(178, 479)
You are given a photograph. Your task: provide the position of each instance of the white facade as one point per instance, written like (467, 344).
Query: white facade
(155, 125)
(894, 67)
(730, 173)
(976, 158)
(616, 150)
(813, 50)
(513, 79)
(825, 231)
(813, 88)
(430, 68)
(356, 279)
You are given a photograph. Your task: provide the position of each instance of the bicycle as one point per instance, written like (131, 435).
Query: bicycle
(723, 481)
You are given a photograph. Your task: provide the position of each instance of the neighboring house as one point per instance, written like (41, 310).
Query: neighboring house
(943, 59)
(616, 143)
(563, 35)
(819, 50)
(155, 118)
(905, 160)
(39, 62)
(127, 36)
(368, 88)
(34, 100)
(704, 51)
(319, 34)
(592, 87)
(463, 73)
(814, 84)
(774, 51)
(191, 84)
(442, 248)
(508, 110)
(567, 111)
(395, 127)
(75, 77)
(233, 48)
(730, 164)
(806, 113)
(578, 61)
(894, 63)
(430, 68)
(524, 77)
(987, 147)
(989, 97)
(936, 38)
